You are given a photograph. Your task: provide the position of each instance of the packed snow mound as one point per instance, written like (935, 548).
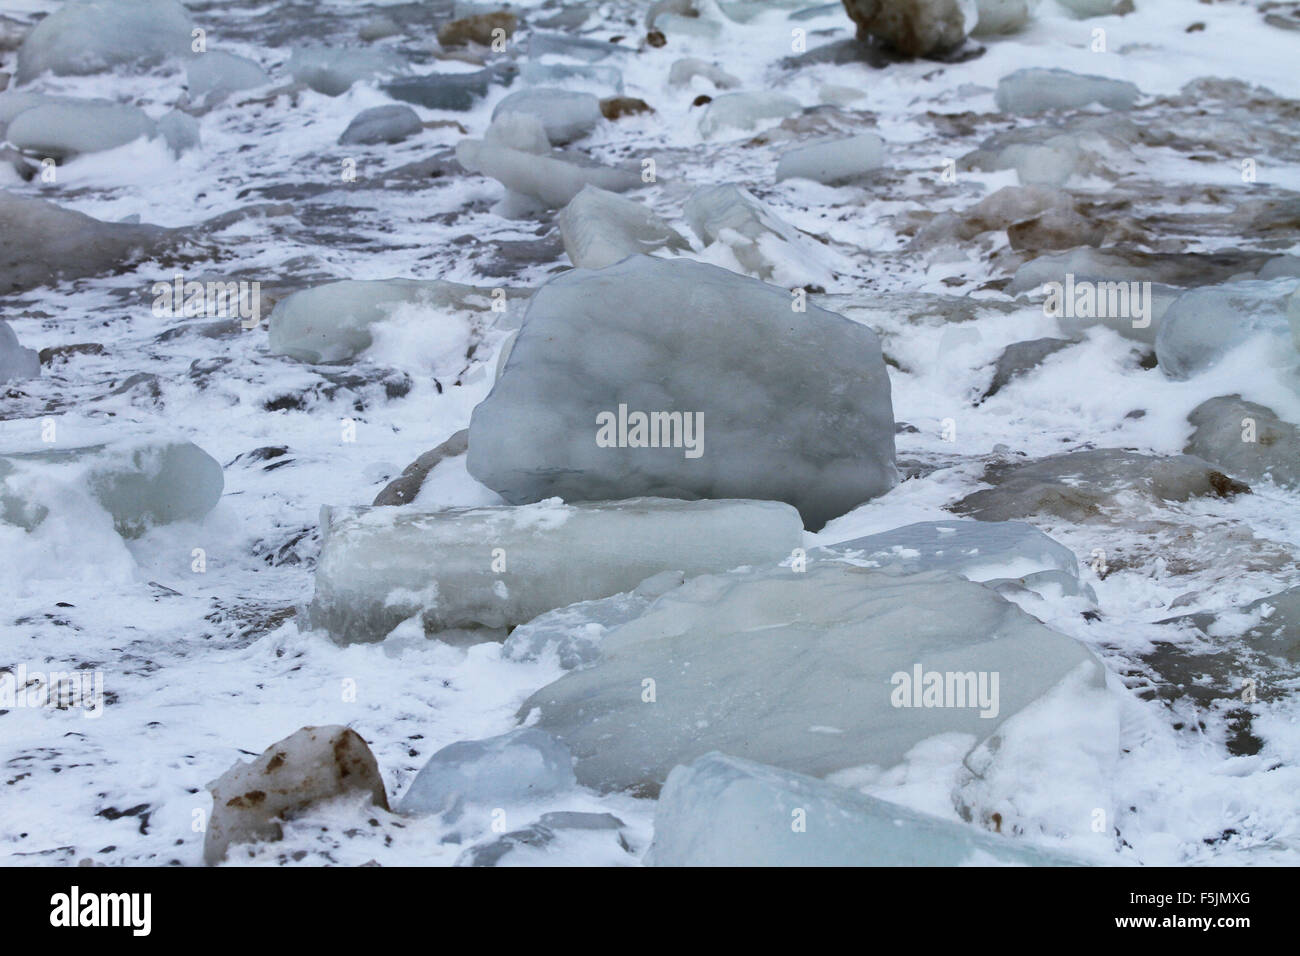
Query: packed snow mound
(673, 378)
(915, 27)
(721, 810)
(16, 362)
(335, 322)
(1246, 439)
(61, 130)
(481, 570)
(1035, 90)
(250, 800)
(566, 115)
(833, 162)
(95, 36)
(816, 671)
(599, 228)
(1202, 325)
(517, 767)
(141, 483)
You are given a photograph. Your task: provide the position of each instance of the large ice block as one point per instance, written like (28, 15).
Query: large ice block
(496, 567)
(673, 378)
(815, 671)
(721, 810)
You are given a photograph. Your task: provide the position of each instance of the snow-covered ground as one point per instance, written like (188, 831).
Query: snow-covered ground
(202, 668)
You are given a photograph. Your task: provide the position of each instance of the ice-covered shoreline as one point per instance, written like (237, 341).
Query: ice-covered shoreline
(203, 667)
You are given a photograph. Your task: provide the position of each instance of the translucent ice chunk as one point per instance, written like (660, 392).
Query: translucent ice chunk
(333, 71)
(1203, 325)
(653, 350)
(519, 766)
(1034, 90)
(501, 566)
(759, 239)
(215, 74)
(834, 161)
(16, 362)
(721, 810)
(331, 322)
(599, 228)
(547, 180)
(978, 550)
(815, 671)
(94, 36)
(60, 130)
(382, 124)
(565, 115)
(140, 483)
(746, 111)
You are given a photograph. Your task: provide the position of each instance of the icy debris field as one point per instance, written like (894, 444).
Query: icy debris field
(899, 464)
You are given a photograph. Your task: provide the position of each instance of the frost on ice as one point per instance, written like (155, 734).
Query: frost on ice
(481, 570)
